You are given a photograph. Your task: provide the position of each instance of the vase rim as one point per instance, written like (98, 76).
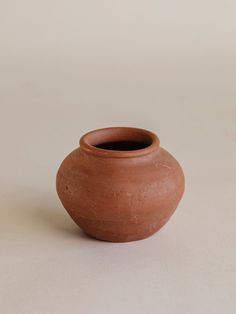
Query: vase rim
(90, 141)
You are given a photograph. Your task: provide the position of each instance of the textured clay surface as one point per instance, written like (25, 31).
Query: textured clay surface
(120, 185)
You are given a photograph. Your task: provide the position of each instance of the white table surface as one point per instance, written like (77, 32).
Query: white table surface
(69, 67)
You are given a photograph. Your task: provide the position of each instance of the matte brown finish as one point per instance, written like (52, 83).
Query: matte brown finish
(120, 185)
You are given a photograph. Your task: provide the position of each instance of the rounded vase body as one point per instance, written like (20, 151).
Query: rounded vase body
(120, 185)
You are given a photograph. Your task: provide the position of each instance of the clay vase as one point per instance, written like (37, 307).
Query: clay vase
(120, 185)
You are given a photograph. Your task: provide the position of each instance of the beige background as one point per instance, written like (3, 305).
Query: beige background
(70, 66)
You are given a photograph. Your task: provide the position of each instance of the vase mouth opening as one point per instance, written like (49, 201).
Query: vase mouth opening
(119, 142)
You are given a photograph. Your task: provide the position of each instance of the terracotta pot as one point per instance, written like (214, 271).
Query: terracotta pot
(120, 185)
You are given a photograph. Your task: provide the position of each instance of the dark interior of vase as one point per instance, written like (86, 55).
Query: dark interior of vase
(123, 145)
(119, 139)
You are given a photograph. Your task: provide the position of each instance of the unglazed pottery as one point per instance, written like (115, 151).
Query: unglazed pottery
(120, 185)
